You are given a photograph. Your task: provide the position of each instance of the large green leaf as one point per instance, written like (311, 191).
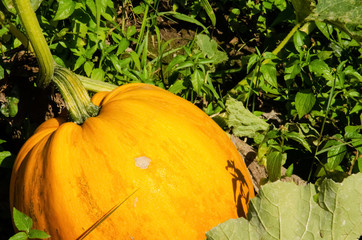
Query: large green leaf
(242, 121)
(286, 211)
(345, 14)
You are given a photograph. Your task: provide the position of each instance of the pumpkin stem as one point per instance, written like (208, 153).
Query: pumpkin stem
(37, 40)
(75, 95)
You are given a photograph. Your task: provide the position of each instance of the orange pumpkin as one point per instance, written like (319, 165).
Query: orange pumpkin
(187, 174)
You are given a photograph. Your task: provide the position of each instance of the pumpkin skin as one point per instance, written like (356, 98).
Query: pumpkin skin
(187, 173)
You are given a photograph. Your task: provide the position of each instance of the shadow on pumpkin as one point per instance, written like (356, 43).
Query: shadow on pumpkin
(239, 183)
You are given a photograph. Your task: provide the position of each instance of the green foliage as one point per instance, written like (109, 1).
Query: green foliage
(242, 121)
(287, 211)
(4, 156)
(24, 225)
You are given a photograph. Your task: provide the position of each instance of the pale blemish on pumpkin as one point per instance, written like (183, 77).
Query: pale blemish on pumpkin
(142, 162)
(135, 202)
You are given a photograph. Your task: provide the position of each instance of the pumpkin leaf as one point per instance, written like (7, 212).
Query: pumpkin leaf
(242, 121)
(22, 221)
(344, 14)
(287, 211)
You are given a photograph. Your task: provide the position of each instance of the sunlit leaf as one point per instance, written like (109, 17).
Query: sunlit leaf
(288, 211)
(22, 221)
(242, 121)
(65, 9)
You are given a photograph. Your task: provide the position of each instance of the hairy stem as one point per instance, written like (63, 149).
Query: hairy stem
(37, 40)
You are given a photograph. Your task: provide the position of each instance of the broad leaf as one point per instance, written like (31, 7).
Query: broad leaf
(270, 74)
(304, 102)
(345, 14)
(65, 9)
(242, 121)
(287, 211)
(22, 221)
(299, 137)
(335, 154)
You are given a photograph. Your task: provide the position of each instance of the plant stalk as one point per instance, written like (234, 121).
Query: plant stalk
(75, 95)
(37, 40)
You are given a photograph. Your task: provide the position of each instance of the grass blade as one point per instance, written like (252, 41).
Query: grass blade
(208, 9)
(112, 210)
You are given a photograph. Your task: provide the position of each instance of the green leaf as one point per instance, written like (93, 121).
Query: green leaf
(287, 211)
(10, 108)
(304, 102)
(80, 61)
(197, 80)
(303, 8)
(88, 67)
(292, 71)
(185, 18)
(122, 46)
(344, 14)
(352, 132)
(209, 48)
(270, 74)
(136, 60)
(320, 68)
(274, 165)
(298, 137)
(22, 221)
(242, 121)
(289, 171)
(325, 28)
(19, 236)
(65, 9)
(3, 156)
(177, 87)
(299, 40)
(335, 154)
(359, 161)
(208, 9)
(252, 61)
(97, 74)
(34, 233)
(139, 9)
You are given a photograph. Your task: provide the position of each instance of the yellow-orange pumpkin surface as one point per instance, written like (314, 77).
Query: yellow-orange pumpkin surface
(187, 174)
